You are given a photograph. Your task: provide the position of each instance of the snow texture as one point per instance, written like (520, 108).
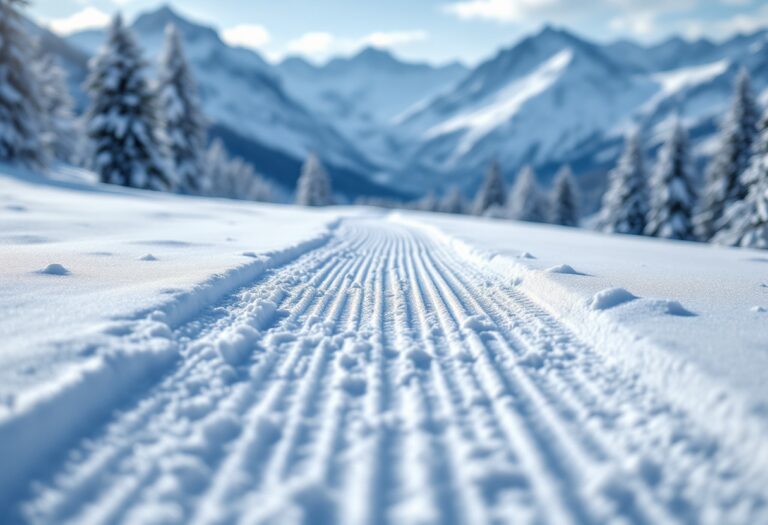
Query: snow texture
(361, 368)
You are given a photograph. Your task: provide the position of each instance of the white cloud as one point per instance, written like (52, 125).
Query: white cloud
(391, 39)
(499, 10)
(321, 45)
(246, 35)
(88, 18)
(317, 44)
(641, 24)
(743, 23)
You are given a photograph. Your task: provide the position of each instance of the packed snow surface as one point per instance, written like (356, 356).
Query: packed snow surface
(275, 365)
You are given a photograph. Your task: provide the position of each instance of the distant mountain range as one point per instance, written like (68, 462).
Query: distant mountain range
(391, 128)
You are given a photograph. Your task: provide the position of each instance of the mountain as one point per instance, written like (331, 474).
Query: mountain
(244, 98)
(362, 95)
(539, 100)
(556, 98)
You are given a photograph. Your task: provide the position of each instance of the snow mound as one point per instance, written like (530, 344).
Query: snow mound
(563, 268)
(55, 269)
(670, 307)
(148, 257)
(526, 255)
(759, 309)
(610, 298)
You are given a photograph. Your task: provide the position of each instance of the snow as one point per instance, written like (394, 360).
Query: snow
(610, 298)
(477, 122)
(277, 364)
(668, 278)
(674, 81)
(98, 240)
(55, 269)
(563, 268)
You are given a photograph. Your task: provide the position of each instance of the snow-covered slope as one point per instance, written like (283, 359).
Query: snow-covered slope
(363, 94)
(169, 359)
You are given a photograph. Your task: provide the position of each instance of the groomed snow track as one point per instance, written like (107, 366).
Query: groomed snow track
(383, 379)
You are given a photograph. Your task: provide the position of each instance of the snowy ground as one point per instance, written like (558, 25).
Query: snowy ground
(275, 365)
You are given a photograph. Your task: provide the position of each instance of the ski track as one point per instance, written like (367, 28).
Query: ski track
(383, 379)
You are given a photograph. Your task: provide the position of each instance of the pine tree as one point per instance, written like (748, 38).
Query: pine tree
(183, 122)
(314, 185)
(428, 202)
(492, 192)
(564, 208)
(452, 202)
(526, 202)
(21, 114)
(215, 170)
(672, 197)
(60, 128)
(724, 184)
(747, 219)
(232, 178)
(625, 202)
(122, 121)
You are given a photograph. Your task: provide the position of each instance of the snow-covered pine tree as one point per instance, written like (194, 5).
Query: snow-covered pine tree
(314, 185)
(672, 196)
(61, 131)
(262, 190)
(493, 191)
(182, 120)
(724, 184)
(625, 202)
(122, 120)
(232, 178)
(747, 219)
(428, 202)
(452, 202)
(21, 114)
(214, 169)
(564, 205)
(526, 202)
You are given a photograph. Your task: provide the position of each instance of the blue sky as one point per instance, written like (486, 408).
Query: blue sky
(432, 30)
